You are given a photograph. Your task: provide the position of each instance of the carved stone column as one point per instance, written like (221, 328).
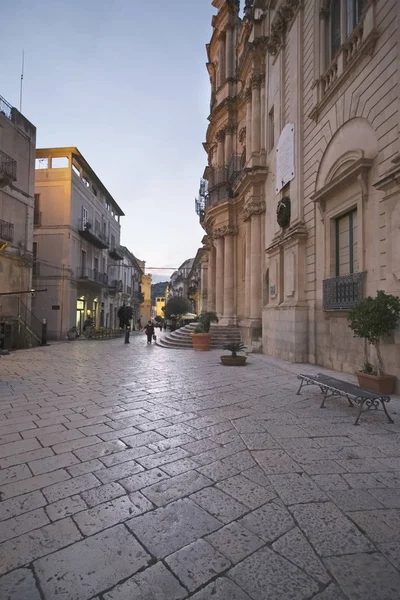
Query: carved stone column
(248, 124)
(220, 149)
(228, 143)
(255, 273)
(219, 276)
(256, 114)
(252, 216)
(229, 276)
(211, 279)
(229, 53)
(247, 270)
(204, 283)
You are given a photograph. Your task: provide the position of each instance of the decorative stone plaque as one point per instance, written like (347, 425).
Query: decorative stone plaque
(285, 157)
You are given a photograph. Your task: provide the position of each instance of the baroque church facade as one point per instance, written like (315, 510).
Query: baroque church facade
(300, 199)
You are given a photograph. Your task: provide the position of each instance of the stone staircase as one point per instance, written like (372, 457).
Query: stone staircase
(182, 338)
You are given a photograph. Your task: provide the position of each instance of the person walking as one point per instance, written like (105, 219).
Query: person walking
(149, 331)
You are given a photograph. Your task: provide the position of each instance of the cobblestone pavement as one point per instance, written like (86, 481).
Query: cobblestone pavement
(138, 473)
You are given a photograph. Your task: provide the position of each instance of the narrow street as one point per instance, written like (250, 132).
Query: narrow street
(138, 473)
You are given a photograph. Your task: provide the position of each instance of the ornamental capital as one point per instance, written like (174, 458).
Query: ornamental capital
(220, 135)
(223, 231)
(256, 81)
(253, 208)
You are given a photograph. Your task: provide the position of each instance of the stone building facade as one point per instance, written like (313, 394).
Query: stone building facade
(302, 204)
(17, 180)
(76, 243)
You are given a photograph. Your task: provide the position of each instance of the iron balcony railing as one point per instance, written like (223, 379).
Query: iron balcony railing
(6, 231)
(5, 108)
(8, 168)
(93, 234)
(115, 253)
(92, 275)
(343, 293)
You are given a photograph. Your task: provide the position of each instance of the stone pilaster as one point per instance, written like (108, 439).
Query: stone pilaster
(219, 276)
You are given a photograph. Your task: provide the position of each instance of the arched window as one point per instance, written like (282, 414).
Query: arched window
(343, 16)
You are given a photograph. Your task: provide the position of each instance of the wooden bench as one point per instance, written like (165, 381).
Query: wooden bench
(330, 386)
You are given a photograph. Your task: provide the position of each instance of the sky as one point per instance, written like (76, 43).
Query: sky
(125, 82)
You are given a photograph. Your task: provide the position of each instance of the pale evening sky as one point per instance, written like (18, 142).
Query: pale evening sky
(125, 81)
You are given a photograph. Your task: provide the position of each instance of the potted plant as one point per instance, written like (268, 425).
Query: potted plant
(234, 360)
(201, 338)
(371, 320)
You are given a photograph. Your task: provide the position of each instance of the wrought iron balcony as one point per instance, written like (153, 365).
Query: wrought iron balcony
(93, 234)
(343, 293)
(8, 169)
(115, 286)
(6, 231)
(115, 253)
(5, 108)
(235, 167)
(92, 276)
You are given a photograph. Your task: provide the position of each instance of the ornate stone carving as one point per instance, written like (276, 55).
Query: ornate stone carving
(253, 208)
(283, 17)
(256, 81)
(242, 135)
(220, 135)
(225, 230)
(229, 129)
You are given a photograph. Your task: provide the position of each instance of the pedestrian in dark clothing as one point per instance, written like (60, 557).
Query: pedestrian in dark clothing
(149, 331)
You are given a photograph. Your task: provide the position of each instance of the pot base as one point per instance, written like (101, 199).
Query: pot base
(381, 384)
(234, 361)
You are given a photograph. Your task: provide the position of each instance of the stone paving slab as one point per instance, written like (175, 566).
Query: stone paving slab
(176, 478)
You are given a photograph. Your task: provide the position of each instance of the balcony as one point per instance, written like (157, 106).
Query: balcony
(5, 108)
(8, 169)
(115, 253)
(115, 286)
(93, 234)
(343, 293)
(6, 231)
(92, 276)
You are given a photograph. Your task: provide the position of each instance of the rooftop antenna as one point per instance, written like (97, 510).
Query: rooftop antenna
(22, 77)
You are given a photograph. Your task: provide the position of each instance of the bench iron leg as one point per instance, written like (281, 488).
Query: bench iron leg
(325, 392)
(389, 418)
(359, 412)
(301, 385)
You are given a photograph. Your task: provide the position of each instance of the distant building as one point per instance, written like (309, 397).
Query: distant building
(124, 285)
(17, 176)
(76, 243)
(145, 307)
(179, 284)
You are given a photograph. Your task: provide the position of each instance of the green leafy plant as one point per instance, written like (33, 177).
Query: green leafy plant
(176, 305)
(205, 320)
(234, 348)
(373, 319)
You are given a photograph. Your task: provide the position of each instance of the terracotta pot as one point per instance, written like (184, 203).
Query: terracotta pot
(201, 341)
(382, 384)
(234, 361)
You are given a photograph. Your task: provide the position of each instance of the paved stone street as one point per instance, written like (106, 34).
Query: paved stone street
(138, 473)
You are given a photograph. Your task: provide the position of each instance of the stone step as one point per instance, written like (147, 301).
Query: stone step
(182, 338)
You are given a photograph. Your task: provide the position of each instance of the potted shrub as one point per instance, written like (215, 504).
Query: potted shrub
(371, 320)
(234, 360)
(201, 338)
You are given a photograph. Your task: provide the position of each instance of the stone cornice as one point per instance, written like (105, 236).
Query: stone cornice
(297, 232)
(389, 182)
(358, 171)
